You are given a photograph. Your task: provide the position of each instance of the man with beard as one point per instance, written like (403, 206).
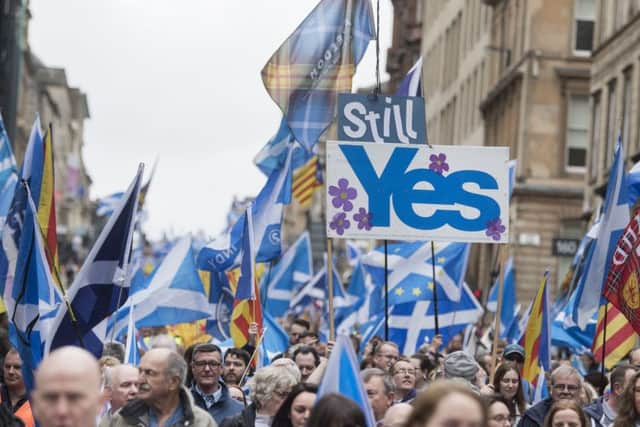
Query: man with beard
(13, 393)
(235, 364)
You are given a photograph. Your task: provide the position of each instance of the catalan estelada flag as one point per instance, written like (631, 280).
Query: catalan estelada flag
(620, 336)
(537, 335)
(305, 182)
(246, 304)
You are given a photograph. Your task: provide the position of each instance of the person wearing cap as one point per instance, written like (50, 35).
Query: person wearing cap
(515, 353)
(460, 365)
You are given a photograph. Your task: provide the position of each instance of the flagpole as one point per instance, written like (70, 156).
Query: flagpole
(332, 331)
(253, 356)
(496, 328)
(435, 287)
(386, 292)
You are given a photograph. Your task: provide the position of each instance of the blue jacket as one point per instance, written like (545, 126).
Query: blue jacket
(534, 416)
(222, 408)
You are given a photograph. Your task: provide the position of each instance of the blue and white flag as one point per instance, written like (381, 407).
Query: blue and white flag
(633, 184)
(8, 165)
(318, 290)
(541, 391)
(508, 313)
(353, 253)
(566, 333)
(221, 297)
(410, 323)
(411, 85)
(274, 341)
(174, 295)
(31, 298)
(365, 298)
(108, 204)
(101, 285)
(294, 269)
(222, 253)
(410, 274)
(131, 352)
(615, 218)
(342, 376)
(273, 155)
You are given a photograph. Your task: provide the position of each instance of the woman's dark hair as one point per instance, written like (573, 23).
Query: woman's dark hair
(627, 413)
(563, 404)
(496, 398)
(426, 404)
(282, 417)
(336, 411)
(518, 401)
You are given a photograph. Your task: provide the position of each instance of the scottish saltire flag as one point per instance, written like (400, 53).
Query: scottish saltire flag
(274, 340)
(317, 289)
(374, 327)
(273, 155)
(565, 332)
(411, 85)
(365, 298)
(342, 376)
(222, 253)
(31, 298)
(410, 323)
(316, 63)
(353, 253)
(101, 285)
(615, 218)
(633, 184)
(8, 167)
(174, 295)
(131, 353)
(107, 204)
(541, 390)
(507, 314)
(220, 297)
(537, 336)
(294, 269)
(410, 275)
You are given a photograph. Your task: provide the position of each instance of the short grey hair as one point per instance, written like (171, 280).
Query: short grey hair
(163, 341)
(568, 371)
(107, 376)
(387, 380)
(267, 380)
(176, 367)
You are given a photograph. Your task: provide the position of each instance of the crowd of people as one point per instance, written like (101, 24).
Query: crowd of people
(205, 386)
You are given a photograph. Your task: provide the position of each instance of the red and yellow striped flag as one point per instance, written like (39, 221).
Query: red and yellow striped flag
(537, 336)
(243, 310)
(47, 206)
(305, 182)
(620, 336)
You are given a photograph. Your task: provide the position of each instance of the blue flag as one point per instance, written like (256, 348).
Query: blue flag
(274, 341)
(614, 219)
(101, 285)
(8, 165)
(365, 297)
(131, 352)
(294, 269)
(411, 85)
(316, 63)
(508, 312)
(221, 298)
(343, 376)
(633, 184)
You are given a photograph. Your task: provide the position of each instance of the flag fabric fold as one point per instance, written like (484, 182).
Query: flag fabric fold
(537, 336)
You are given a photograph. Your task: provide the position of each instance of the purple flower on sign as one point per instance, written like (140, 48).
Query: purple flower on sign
(342, 195)
(340, 223)
(495, 228)
(438, 163)
(363, 218)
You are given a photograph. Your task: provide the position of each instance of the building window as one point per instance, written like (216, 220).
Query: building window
(577, 133)
(584, 23)
(595, 135)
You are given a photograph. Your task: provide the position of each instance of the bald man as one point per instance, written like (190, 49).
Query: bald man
(67, 391)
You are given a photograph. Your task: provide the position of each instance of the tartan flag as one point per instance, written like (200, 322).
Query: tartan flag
(317, 62)
(621, 286)
(620, 337)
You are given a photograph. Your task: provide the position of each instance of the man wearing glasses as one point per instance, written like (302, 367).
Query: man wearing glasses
(209, 392)
(566, 383)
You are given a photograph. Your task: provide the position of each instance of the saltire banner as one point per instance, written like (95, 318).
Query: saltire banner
(316, 63)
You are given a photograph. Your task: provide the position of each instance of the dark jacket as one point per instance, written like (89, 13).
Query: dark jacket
(534, 416)
(225, 407)
(595, 411)
(246, 418)
(136, 413)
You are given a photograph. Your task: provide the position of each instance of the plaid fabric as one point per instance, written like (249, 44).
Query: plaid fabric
(315, 63)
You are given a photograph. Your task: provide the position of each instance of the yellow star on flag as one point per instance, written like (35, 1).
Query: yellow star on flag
(399, 291)
(430, 285)
(417, 292)
(441, 260)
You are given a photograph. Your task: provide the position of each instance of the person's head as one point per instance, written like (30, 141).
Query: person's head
(634, 357)
(514, 353)
(385, 355)
(163, 341)
(587, 394)
(404, 377)
(397, 415)
(566, 383)
(236, 393)
(114, 349)
(566, 413)
(160, 375)
(380, 390)
(269, 387)
(236, 361)
(12, 371)
(122, 385)
(629, 403)
(499, 414)
(206, 366)
(307, 360)
(336, 411)
(67, 389)
(289, 365)
(455, 343)
(619, 378)
(423, 366)
(460, 365)
(484, 360)
(446, 403)
(310, 339)
(298, 327)
(507, 383)
(296, 408)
